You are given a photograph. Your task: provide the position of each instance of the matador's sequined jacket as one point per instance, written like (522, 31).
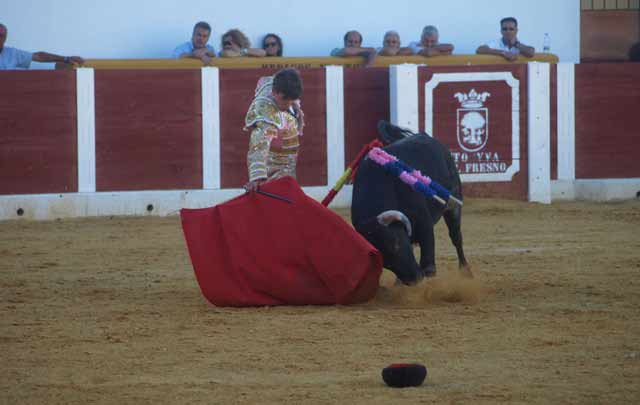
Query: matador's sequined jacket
(273, 148)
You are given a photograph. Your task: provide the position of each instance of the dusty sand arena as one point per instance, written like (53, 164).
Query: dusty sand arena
(107, 310)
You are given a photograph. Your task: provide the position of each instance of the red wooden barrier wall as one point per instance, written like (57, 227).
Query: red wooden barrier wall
(366, 101)
(607, 110)
(38, 144)
(148, 129)
(149, 125)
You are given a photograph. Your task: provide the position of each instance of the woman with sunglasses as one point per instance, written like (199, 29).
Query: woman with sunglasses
(235, 43)
(272, 45)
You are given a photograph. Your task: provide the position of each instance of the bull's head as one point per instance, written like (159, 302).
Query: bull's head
(390, 233)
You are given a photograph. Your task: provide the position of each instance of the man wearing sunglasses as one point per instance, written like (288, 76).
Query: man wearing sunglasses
(509, 47)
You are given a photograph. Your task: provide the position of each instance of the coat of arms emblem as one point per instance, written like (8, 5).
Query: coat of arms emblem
(472, 120)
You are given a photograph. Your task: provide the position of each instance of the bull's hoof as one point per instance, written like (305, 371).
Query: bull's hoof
(465, 271)
(410, 282)
(429, 271)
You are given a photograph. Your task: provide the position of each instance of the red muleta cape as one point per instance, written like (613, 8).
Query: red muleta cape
(257, 250)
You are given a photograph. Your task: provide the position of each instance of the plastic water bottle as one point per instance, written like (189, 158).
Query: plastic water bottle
(546, 43)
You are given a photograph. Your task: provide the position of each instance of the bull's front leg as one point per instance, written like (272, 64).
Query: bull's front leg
(426, 241)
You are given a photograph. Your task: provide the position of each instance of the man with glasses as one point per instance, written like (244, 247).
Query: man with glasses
(197, 48)
(509, 47)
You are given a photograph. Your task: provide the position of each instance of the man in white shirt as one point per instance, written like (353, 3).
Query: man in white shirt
(13, 58)
(509, 47)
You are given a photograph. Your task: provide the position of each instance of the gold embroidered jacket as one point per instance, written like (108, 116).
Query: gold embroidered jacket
(273, 147)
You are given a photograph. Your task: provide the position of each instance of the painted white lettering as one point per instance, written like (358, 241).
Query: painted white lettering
(485, 167)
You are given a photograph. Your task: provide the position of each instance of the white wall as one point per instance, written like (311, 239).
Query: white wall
(152, 28)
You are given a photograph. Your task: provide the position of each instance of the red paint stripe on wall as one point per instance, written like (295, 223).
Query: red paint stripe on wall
(607, 106)
(237, 87)
(148, 129)
(366, 101)
(38, 147)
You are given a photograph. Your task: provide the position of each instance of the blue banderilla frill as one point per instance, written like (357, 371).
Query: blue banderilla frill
(412, 177)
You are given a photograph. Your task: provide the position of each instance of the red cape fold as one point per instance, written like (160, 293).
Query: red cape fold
(257, 250)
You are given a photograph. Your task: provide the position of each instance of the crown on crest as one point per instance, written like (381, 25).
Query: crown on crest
(473, 99)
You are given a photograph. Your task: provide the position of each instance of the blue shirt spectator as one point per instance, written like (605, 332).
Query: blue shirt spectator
(197, 48)
(188, 48)
(13, 58)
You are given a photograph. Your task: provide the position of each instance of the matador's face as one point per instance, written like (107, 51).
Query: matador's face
(281, 101)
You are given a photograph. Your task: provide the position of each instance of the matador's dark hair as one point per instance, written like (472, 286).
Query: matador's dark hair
(288, 83)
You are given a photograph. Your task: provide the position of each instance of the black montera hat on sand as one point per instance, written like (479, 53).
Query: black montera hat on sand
(404, 375)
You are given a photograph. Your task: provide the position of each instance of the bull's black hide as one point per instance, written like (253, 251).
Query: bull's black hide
(392, 216)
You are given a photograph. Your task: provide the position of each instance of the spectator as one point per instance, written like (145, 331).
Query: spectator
(235, 43)
(634, 52)
(509, 47)
(197, 48)
(429, 44)
(13, 58)
(353, 47)
(272, 45)
(391, 45)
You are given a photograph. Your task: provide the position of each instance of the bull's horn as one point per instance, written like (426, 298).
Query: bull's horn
(387, 217)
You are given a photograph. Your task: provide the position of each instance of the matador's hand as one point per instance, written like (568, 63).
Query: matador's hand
(254, 185)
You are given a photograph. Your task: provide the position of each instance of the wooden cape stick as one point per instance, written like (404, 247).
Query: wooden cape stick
(350, 169)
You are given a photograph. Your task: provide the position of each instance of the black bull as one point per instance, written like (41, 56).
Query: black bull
(392, 216)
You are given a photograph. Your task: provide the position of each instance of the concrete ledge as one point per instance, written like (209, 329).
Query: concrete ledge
(306, 62)
(596, 189)
(157, 203)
